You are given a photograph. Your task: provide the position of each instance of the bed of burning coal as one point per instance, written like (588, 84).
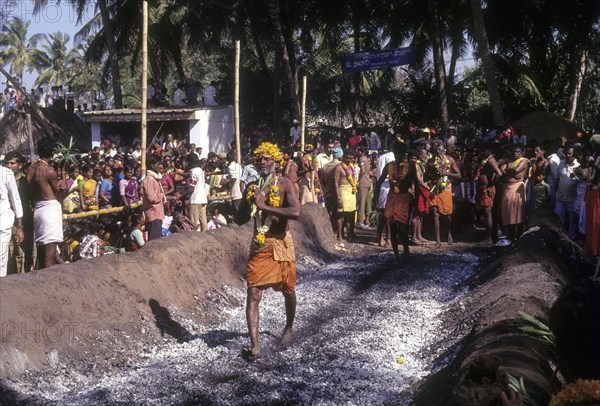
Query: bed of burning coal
(366, 332)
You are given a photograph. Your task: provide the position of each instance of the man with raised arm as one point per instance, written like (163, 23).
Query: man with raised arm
(47, 191)
(272, 262)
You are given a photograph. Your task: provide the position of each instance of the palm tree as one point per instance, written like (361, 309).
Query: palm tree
(84, 77)
(18, 49)
(107, 11)
(486, 59)
(54, 61)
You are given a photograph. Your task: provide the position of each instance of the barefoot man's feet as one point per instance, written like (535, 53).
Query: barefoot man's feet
(288, 337)
(251, 354)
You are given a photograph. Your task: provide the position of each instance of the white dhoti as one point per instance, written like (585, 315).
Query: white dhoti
(47, 222)
(383, 194)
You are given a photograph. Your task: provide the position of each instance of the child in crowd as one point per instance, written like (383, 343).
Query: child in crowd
(92, 246)
(540, 191)
(217, 220)
(137, 236)
(181, 223)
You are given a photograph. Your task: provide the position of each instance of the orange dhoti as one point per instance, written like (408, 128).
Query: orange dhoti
(592, 221)
(273, 265)
(443, 202)
(513, 203)
(484, 196)
(397, 208)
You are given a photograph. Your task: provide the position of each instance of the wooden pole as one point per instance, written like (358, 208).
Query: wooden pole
(144, 81)
(99, 212)
(30, 137)
(303, 126)
(237, 103)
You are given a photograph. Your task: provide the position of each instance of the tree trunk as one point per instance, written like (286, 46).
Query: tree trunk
(450, 78)
(286, 69)
(489, 74)
(438, 63)
(579, 67)
(255, 30)
(112, 54)
(357, 76)
(277, 75)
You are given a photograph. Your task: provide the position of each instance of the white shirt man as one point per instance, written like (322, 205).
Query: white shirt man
(325, 157)
(295, 132)
(150, 93)
(10, 208)
(178, 97)
(374, 142)
(198, 198)
(209, 95)
(382, 163)
(235, 172)
(137, 152)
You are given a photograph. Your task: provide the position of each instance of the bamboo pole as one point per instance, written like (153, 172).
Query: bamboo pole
(99, 212)
(144, 81)
(303, 125)
(237, 103)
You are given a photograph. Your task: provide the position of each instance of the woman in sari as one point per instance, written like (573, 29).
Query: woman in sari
(72, 202)
(87, 188)
(128, 188)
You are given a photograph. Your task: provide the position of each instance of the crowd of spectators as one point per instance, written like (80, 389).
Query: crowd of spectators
(495, 182)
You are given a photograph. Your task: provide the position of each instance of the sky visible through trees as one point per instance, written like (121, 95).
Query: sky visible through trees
(53, 17)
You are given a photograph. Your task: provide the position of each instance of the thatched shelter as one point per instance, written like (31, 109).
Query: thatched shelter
(45, 122)
(542, 126)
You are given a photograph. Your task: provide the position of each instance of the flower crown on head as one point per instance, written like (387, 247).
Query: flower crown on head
(268, 149)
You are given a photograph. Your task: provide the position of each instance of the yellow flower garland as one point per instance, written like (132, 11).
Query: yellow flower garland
(350, 176)
(442, 182)
(582, 390)
(404, 168)
(271, 150)
(273, 199)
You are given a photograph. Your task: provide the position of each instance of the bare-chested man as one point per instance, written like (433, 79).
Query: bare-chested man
(346, 186)
(445, 169)
(487, 175)
(290, 168)
(272, 262)
(47, 191)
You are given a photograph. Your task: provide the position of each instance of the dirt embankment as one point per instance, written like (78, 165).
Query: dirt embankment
(96, 312)
(528, 278)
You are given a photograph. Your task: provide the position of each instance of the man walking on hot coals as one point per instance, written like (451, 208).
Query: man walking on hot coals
(272, 262)
(443, 169)
(402, 175)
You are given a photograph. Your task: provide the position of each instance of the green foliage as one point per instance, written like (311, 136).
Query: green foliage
(532, 326)
(518, 385)
(535, 45)
(66, 151)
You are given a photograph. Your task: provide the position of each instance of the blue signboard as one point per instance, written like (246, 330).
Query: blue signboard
(363, 61)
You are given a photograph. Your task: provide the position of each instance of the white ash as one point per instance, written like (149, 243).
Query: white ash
(355, 318)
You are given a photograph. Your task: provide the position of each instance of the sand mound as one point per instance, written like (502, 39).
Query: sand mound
(528, 277)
